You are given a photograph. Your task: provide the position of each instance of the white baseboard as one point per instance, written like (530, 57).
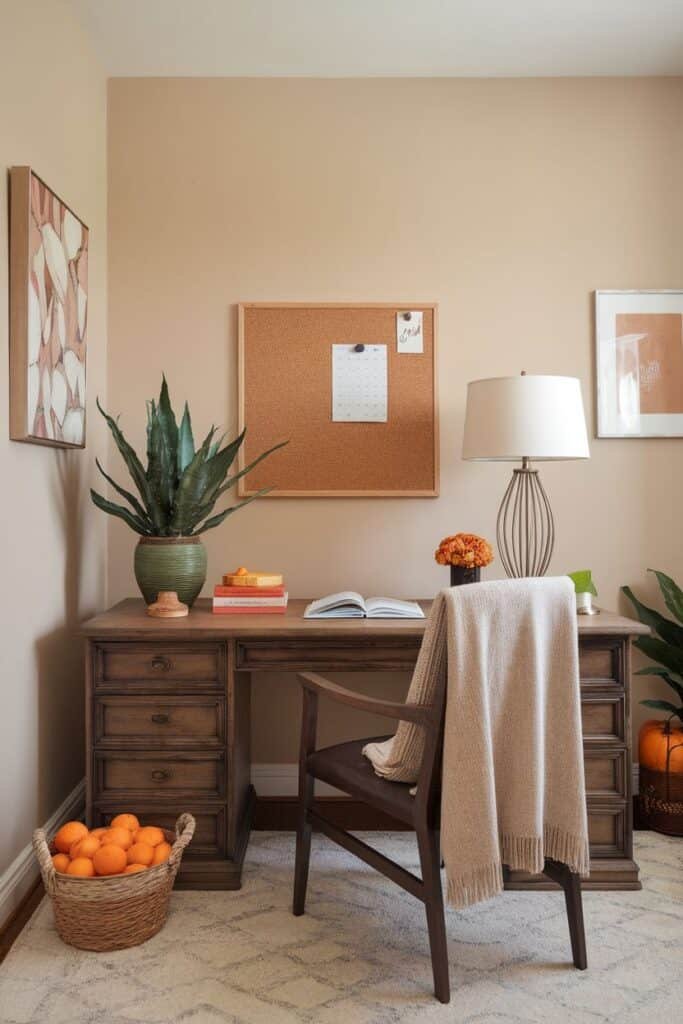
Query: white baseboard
(22, 873)
(283, 780)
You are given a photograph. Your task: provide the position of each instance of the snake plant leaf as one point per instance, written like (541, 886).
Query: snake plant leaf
(139, 510)
(135, 469)
(232, 480)
(218, 519)
(662, 652)
(210, 477)
(669, 631)
(185, 442)
(161, 465)
(674, 681)
(191, 491)
(120, 512)
(168, 425)
(671, 592)
(664, 705)
(215, 446)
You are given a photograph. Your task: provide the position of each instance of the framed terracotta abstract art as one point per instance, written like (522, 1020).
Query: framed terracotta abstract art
(48, 315)
(639, 363)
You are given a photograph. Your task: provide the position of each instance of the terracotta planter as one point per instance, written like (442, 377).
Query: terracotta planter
(660, 797)
(170, 563)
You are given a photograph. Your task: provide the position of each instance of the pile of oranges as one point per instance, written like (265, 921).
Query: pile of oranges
(124, 848)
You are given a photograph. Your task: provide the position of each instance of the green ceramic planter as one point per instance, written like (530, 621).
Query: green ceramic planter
(170, 563)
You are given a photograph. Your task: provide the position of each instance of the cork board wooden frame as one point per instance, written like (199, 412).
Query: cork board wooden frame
(285, 392)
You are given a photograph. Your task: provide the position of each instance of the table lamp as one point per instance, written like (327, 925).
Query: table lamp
(525, 418)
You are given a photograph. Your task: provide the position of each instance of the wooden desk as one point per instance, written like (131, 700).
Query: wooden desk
(168, 721)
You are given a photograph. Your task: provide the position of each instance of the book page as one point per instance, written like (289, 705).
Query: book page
(359, 383)
(345, 604)
(392, 608)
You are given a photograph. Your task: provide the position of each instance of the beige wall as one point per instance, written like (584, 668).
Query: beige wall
(52, 117)
(507, 202)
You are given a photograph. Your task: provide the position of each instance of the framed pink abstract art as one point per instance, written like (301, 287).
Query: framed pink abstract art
(48, 315)
(639, 362)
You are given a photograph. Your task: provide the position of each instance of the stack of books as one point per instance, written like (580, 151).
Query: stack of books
(244, 593)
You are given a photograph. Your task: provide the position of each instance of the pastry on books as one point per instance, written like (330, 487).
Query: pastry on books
(246, 578)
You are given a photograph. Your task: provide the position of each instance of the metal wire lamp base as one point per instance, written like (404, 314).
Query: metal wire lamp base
(525, 528)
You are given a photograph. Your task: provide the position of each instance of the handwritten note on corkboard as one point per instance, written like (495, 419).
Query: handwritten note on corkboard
(285, 392)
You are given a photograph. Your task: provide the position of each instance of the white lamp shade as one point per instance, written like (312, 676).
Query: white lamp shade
(529, 416)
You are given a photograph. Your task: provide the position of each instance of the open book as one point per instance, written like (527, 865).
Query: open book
(349, 605)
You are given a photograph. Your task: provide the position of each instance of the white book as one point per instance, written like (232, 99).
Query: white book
(350, 605)
(251, 602)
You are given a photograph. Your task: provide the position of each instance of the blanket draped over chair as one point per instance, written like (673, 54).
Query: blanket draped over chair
(513, 790)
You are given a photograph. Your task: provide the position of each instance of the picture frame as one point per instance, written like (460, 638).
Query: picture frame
(48, 299)
(639, 363)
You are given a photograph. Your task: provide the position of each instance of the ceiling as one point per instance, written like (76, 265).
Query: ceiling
(412, 38)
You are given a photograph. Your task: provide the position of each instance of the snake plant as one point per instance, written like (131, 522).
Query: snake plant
(180, 485)
(665, 648)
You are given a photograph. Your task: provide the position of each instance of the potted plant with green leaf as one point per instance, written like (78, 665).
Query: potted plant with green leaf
(660, 743)
(585, 591)
(177, 492)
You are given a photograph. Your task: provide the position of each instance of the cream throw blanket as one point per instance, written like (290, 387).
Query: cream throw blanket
(513, 788)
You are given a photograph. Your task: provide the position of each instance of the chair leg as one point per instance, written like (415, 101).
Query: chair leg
(430, 860)
(303, 846)
(577, 934)
(571, 884)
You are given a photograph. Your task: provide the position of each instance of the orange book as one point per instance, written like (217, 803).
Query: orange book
(251, 610)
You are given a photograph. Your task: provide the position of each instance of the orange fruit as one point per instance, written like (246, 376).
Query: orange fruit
(69, 834)
(161, 853)
(150, 834)
(141, 853)
(133, 869)
(128, 821)
(85, 847)
(98, 832)
(61, 862)
(118, 836)
(82, 867)
(110, 859)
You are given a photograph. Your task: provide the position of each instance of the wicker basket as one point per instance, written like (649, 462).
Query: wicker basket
(660, 801)
(112, 912)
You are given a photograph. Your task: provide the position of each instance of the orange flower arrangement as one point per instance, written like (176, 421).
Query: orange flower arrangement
(464, 549)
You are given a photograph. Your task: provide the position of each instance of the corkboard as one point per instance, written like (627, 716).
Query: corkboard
(285, 392)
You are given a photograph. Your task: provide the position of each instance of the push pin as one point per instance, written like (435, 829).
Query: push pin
(359, 348)
(407, 316)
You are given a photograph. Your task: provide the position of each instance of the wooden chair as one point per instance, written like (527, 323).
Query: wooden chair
(345, 767)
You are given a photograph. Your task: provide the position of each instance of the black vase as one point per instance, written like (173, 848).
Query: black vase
(460, 575)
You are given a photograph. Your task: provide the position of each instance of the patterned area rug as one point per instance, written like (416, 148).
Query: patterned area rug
(360, 954)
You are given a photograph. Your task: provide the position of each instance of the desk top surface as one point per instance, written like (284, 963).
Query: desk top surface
(129, 619)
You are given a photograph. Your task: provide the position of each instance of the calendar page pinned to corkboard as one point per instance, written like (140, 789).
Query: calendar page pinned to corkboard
(285, 392)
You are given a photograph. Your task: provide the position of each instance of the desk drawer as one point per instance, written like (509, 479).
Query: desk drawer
(132, 771)
(605, 771)
(159, 721)
(210, 837)
(603, 717)
(159, 663)
(607, 828)
(601, 662)
(370, 654)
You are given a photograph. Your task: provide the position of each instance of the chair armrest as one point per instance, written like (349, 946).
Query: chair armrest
(420, 714)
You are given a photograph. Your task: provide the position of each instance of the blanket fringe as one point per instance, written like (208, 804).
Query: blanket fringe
(520, 853)
(567, 848)
(482, 884)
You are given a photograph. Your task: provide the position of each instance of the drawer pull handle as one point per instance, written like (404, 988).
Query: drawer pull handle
(161, 664)
(160, 775)
(160, 719)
